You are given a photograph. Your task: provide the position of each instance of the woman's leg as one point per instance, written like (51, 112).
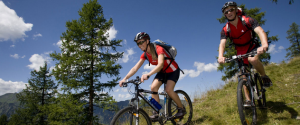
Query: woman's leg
(170, 90)
(154, 87)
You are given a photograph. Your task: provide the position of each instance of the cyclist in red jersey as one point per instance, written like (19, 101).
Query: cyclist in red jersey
(171, 74)
(241, 36)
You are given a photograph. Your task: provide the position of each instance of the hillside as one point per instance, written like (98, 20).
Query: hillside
(8, 104)
(219, 106)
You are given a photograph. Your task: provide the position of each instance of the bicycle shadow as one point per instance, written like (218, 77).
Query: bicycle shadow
(275, 107)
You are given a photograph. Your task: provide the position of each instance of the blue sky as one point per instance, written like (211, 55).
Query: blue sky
(30, 30)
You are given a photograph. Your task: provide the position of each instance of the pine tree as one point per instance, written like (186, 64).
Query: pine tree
(86, 56)
(294, 38)
(3, 119)
(230, 69)
(65, 109)
(37, 94)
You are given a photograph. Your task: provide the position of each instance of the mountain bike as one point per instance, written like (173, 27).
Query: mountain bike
(134, 115)
(250, 83)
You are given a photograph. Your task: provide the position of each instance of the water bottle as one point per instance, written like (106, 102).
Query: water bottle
(155, 103)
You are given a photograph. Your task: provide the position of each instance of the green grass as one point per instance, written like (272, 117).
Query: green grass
(219, 106)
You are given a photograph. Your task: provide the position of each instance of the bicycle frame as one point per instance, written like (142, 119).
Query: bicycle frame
(138, 94)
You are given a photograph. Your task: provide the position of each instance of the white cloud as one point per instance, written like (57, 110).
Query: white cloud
(124, 96)
(112, 32)
(273, 50)
(59, 43)
(124, 89)
(23, 56)
(280, 47)
(12, 26)
(12, 46)
(117, 90)
(37, 61)
(201, 67)
(47, 53)
(124, 42)
(16, 56)
(145, 72)
(37, 35)
(147, 67)
(127, 55)
(11, 87)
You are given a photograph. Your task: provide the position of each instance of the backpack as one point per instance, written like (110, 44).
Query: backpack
(170, 50)
(245, 22)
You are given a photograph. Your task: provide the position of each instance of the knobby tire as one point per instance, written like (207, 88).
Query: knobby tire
(248, 115)
(129, 118)
(261, 91)
(186, 102)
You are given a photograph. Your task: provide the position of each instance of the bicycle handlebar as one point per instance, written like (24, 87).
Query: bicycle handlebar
(236, 57)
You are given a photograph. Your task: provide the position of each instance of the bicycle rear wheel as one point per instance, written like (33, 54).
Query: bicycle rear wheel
(248, 115)
(127, 116)
(187, 104)
(260, 91)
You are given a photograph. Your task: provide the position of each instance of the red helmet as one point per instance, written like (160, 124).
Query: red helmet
(141, 35)
(227, 4)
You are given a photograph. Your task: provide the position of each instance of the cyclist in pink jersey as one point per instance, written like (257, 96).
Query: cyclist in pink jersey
(164, 70)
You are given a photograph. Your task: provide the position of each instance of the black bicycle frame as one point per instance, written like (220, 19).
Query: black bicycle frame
(139, 94)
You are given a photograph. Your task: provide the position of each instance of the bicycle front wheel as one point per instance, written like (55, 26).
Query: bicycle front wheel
(187, 104)
(260, 91)
(247, 114)
(128, 116)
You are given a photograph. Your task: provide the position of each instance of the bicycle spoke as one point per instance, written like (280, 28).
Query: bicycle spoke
(128, 117)
(185, 100)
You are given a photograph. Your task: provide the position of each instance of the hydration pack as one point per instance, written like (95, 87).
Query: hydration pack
(169, 49)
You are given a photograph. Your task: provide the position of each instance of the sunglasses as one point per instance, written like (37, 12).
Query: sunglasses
(140, 43)
(230, 10)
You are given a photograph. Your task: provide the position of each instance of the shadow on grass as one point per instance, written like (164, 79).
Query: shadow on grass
(275, 107)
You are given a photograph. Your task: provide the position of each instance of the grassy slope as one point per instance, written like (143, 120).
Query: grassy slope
(219, 106)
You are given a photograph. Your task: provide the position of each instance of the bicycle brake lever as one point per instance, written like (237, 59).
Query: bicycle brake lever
(124, 84)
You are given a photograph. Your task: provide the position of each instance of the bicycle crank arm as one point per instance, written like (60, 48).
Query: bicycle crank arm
(174, 118)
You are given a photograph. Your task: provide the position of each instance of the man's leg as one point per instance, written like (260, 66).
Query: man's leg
(257, 64)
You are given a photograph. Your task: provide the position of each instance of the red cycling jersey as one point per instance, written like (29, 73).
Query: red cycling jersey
(241, 35)
(159, 51)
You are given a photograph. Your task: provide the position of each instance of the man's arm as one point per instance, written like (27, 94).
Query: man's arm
(221, 58)
(263, 38)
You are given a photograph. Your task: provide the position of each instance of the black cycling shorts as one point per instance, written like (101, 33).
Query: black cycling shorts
(174, 76)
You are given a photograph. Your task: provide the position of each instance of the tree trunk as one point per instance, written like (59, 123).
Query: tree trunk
(91, 108)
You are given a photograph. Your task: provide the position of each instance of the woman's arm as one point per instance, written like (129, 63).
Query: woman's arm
(132, 71)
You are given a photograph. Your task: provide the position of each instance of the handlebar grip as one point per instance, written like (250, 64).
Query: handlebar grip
(124, 84)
